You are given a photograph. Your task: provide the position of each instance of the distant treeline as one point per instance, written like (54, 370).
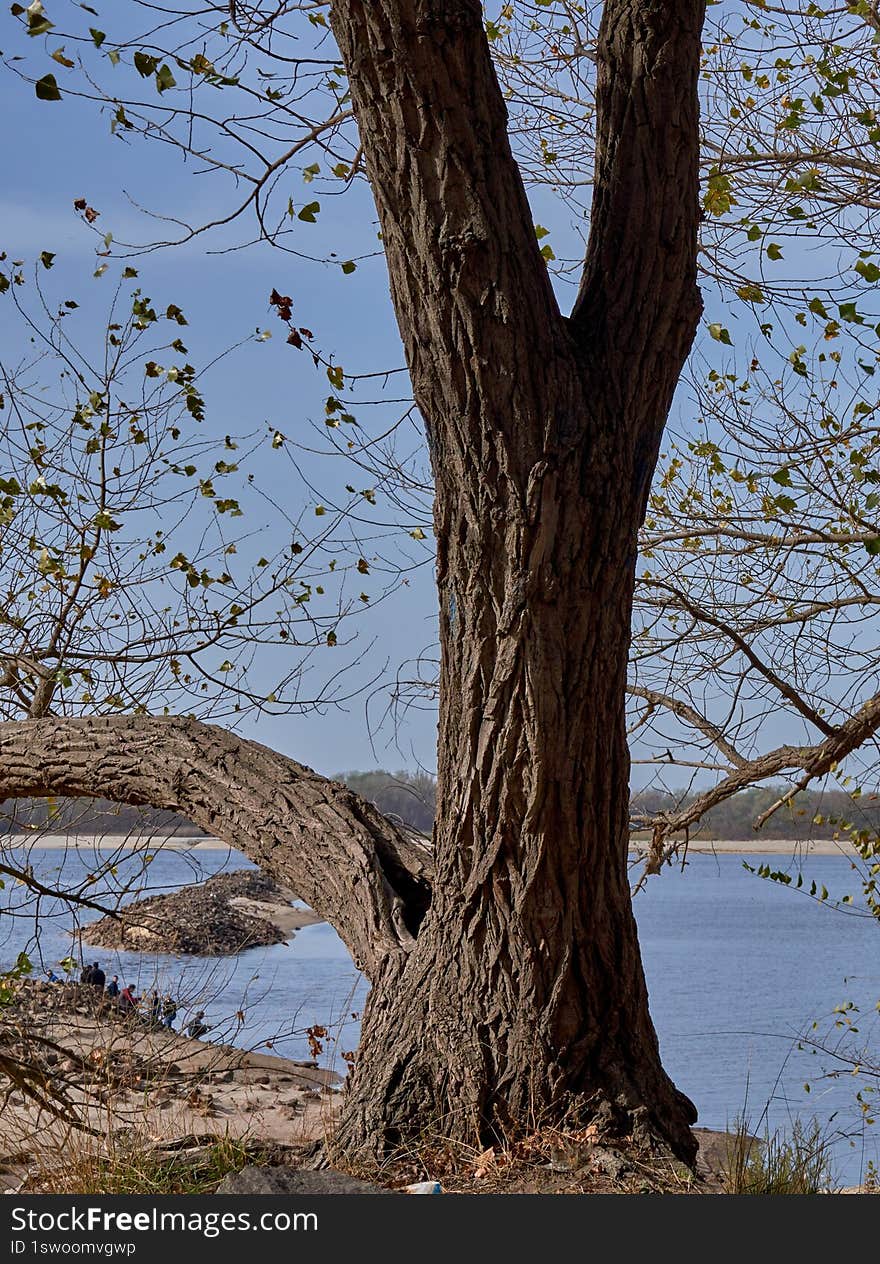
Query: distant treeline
(411, 797)
(89, 816)
(811, 814)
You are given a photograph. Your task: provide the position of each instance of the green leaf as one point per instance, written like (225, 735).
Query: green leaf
(774, 251)
(849, 313)
(97, 36)
(145, 65)
(869, 271)
(164, 78)
(309, 212)
(782, 477)
(38, 23)
(348, 267)
(751, 293)
(720, 334)
(47, 258)
(719, 194)
(47, 89)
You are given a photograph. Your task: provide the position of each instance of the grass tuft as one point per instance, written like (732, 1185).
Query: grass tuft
(799, 1163)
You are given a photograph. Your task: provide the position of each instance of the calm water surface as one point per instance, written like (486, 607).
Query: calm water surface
(738, 968)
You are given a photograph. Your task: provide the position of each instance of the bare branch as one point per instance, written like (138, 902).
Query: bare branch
(816, 761)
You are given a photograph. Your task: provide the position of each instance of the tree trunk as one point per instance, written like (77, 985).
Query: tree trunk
(525, 996)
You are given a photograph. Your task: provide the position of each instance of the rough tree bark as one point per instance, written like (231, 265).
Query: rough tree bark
(518, 994)
(525, 988)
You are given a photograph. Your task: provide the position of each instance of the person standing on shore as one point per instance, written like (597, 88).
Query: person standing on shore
(128, 1002)
(86, 976)
(112, 989)
(169, 1013)
(154, 1008)
(98, 978)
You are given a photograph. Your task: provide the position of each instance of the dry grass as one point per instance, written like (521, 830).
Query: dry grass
(544, 1161)
(800, 1163)
(135, 1165)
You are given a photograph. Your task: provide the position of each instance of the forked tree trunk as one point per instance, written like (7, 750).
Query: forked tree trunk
(525, 993)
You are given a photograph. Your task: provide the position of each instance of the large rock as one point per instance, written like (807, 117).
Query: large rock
(295, 1181)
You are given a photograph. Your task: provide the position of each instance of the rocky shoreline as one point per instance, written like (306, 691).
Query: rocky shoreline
(218, 917)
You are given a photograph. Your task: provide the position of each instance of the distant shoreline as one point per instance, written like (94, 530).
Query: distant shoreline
(763, 847)
(696, 846)
(105, 842)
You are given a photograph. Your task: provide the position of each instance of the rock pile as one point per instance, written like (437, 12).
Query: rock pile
(203, 920)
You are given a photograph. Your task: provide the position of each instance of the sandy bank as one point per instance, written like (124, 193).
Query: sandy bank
(111, 842)
(768, 847)
(700, 846)
(124, 1077)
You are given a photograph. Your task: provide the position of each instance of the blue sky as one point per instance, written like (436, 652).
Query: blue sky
(57, 152)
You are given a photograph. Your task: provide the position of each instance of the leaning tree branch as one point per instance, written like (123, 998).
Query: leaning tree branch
(815, 761)
(366, 876)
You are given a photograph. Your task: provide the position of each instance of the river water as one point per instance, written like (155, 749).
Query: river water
(738, 970)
